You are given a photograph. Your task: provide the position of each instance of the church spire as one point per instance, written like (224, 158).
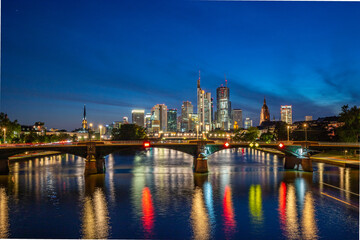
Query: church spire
(264, 101)
(84, 111)
(198, 83)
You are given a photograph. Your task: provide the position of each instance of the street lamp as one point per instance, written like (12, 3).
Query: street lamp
(288, 127)
(100, 127)
(90, 129)
(4, 129)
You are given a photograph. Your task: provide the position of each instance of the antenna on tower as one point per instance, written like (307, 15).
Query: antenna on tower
(225, 80)
(198, 83)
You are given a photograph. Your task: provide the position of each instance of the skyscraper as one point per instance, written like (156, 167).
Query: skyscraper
(84, 121)
(247, 123)
(172, 120)
(148, 121)
(159, 117)
(204, 110)
(236, 118)
(286, 113)
(186, 110)
(265, 113)
(138, 117)
(223, 107)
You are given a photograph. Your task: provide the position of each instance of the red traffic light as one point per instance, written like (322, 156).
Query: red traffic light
(226, 144)
(146, 144)
(281, 145)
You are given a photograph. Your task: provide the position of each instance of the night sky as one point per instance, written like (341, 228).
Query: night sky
(114, 56)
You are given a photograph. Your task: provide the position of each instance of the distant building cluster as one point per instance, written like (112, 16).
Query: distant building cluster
(198, 118)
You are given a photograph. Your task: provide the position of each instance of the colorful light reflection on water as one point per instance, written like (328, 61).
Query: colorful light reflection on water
(155, 194)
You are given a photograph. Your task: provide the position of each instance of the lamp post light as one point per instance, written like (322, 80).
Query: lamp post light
(4, 129)
(288, 127)
(100, 127)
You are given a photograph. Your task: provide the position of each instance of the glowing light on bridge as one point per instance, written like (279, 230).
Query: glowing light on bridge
(281, 145)
(148, 212)
(227, 144)
(146, 144)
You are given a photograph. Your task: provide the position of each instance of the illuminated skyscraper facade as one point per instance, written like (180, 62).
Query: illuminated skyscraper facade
(286, 113)
(236, 115)
(138, 116)
(159, 118)
(186, 110)
(204, 109)
(172, 120)
(223, 108)
(265, 113)
(247, 123)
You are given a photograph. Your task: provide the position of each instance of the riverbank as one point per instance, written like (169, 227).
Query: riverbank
(331, 158)
(31, 155)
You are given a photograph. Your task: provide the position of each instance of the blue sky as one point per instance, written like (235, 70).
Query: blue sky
(117, 55)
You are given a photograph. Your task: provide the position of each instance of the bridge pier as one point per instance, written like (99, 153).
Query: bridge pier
(93, 164)
(4, 167)
(200, 164)
(292, 162)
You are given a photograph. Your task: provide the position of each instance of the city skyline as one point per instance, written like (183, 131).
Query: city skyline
(130, 57)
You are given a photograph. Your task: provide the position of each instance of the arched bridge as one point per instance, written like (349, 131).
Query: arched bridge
(94, 152)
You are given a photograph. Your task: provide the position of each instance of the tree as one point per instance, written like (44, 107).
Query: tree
(129, 132)
(12, 128)
(280, 131)
(350, 131)
(267, 137)
(251, 135)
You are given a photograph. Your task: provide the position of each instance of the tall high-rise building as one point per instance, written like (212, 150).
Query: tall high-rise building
(204, 110)
(247, 123)
(236, 115)
(84, 121)
(265, 113)
(223, 107)
(193, 121)
(159, 117)
(172, 120)
(138, 116)
(148, 121)
(286, 113)
(186, 110)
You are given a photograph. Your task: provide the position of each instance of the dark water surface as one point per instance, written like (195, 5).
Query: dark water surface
(155, 194)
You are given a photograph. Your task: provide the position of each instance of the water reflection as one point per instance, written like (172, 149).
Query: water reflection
(255, 205)
(4, 214)
(296, 206)
(228, 214)
(148, 213)
(199, 217)
(95, 216)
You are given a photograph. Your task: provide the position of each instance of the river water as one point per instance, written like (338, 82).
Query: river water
(155, 194)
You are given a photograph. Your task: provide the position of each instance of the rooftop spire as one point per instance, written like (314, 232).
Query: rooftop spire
(84, 111)
(198, 83)
(264, 101)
